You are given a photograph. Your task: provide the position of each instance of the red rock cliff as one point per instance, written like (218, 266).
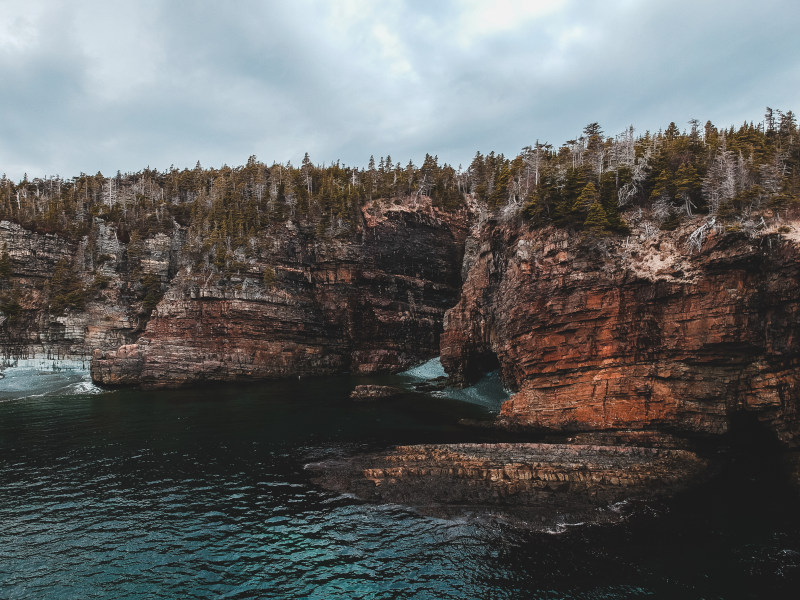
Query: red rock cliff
(368, 303)
(633, 333)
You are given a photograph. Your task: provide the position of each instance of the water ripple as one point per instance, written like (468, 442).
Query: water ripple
(136, 495)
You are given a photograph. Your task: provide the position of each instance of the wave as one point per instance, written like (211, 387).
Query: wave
(432, 369)
(39, 378)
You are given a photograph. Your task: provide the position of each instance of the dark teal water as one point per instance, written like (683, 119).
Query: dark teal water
(203, 494)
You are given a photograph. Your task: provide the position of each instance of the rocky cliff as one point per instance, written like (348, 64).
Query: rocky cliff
(64, 298)
(368, 302)
(640, 332)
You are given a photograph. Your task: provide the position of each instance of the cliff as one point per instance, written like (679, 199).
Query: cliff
(643, 332)
(367, 302)
(64, 298)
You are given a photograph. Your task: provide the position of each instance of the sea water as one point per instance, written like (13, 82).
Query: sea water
(202, 493)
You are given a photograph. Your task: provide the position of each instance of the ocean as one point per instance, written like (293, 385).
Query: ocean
(203, 493)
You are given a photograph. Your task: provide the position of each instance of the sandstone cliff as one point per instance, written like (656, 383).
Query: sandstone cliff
(638, 332)
(368, 302)
(104, 308)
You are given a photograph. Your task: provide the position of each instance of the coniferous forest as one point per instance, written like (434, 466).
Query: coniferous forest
(588, 183)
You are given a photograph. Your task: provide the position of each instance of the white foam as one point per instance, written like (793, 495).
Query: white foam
(429, 370)
(488, 392)
(43, 363)
(43, 377)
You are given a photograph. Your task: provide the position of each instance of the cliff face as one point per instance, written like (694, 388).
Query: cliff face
(634, 333)
(365, 303)
(110, 311)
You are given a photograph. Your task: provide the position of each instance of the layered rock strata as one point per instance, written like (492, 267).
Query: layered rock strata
(541, 478)
(372, 302)
(111, 314)
(375, 392)
(644, 332)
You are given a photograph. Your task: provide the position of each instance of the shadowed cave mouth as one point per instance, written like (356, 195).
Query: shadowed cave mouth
(480, 364)
(749, 482)
(750, 469)
(754, 449)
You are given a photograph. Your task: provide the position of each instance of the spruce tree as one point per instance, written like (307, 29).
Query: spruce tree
(596, 223)
(5, 265)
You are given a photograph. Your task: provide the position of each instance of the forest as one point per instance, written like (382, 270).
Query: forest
(588, 184)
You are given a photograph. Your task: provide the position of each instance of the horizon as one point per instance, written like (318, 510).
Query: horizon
(108, 87)
(363, 167)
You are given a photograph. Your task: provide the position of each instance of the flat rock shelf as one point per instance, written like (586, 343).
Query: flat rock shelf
(521, 479)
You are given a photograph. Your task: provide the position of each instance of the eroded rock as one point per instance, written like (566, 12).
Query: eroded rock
(636, 333)
(374, 392)
(369, 303)
(525, 478)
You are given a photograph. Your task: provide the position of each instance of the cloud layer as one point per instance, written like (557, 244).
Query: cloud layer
(100, 85)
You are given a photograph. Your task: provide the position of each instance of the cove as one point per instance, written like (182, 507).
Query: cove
(203, 493)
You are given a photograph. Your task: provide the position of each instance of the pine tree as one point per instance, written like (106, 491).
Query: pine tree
(5, 265)
(596, 223)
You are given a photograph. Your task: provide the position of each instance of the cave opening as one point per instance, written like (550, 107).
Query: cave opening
(749, 488)
(480, 364)
(754, 464)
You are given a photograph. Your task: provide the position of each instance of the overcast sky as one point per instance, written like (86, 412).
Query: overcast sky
(105, 85)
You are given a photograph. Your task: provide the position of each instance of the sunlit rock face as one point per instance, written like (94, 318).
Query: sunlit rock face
(639, 332)
(364, 303)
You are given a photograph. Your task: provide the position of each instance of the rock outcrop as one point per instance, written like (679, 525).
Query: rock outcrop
(644, 332)
(374, 392)
(365, 303)
(527, 479)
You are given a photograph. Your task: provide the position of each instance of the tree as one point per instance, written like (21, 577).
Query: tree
(719, 184)
(306, 168)
(588, 197)
(687, 186)
(65, 289)
(596, 223)
(5, 265)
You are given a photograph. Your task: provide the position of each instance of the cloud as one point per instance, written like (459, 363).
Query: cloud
(95, 85)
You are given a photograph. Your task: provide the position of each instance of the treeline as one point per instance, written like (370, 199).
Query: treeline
(586, 183)
(731, 173)
(225, 209)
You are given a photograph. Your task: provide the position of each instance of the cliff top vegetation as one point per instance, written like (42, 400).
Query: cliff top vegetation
(587, 183)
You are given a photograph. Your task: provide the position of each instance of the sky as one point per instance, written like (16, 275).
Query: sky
(88, 86)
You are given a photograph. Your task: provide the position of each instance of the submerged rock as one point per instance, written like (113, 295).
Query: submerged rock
(432, 385)
(374, 392)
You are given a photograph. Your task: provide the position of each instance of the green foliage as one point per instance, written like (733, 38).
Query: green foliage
(596, 223)
(269, 278)
(5, 265)
(227, 211)
(9, 305)
(65, 289)
(589, 197)
(100, 282)
(153, 291)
